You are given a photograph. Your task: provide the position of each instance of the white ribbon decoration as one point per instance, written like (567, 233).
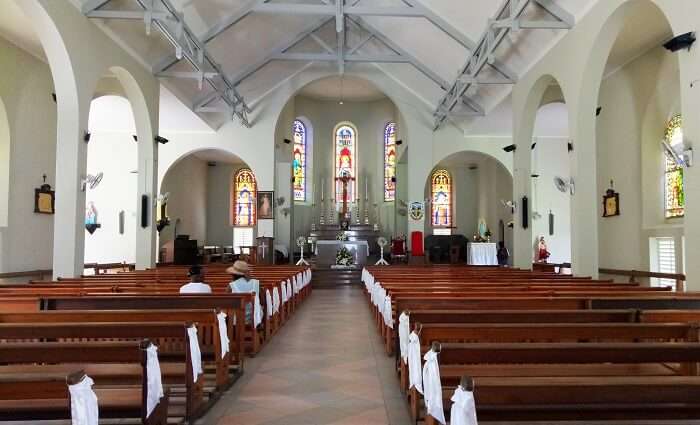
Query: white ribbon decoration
(223, 333)
(83, 403)
(195, 354)
(153, 379)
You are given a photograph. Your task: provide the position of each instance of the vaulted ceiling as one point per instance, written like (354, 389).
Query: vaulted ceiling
(256, 45)
(220, 57)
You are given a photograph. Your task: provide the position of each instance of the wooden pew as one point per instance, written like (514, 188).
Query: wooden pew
(40, 396)
(544, 354)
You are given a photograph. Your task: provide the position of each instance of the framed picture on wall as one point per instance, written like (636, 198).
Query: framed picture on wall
(266, 204)
(44, 200)
(611, 203)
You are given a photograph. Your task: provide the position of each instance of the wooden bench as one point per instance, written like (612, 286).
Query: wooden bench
(40, 396)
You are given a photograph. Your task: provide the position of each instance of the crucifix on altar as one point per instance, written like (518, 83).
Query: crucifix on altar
(344, 180)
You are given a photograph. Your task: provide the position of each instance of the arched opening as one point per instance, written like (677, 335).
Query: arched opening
(637, 89)
(200, 191)
(465, 198)
(552, 183)
(111, 185)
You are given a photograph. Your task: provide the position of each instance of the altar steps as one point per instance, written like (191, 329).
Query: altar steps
(328, 278)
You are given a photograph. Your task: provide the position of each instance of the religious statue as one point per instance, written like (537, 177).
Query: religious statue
(91, 214)
(542, 253)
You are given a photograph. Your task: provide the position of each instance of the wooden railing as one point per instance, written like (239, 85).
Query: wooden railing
(633, 274)
(98, 268)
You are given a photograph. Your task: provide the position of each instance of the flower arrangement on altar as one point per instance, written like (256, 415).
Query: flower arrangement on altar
(341, 236)
(344, 257)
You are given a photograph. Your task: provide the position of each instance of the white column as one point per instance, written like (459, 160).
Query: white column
(71, 163)
(523, 122)
(147, 186)
(420, 163)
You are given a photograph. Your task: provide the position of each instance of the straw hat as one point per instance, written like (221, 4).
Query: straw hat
(239, 267)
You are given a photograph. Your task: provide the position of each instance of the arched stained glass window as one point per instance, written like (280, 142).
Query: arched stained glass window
(674, 195)
(345, 161)
(244, 194)
(390, 162)
(441, 196)
(299, 161)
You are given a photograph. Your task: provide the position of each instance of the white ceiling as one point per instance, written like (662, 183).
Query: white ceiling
(256, 35)
(348, 88)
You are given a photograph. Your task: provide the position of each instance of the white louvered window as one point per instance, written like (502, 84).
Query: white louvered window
(663, 260)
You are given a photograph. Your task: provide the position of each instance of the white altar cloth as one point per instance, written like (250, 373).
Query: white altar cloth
(358, 244)
(482, 254)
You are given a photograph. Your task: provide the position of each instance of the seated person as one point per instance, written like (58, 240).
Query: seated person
(195, 286)
(242, 283)
(502, 255)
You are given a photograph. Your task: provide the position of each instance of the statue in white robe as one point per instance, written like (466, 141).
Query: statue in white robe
(403, 335)
(463, 411)
(432, 388)
(415, 373)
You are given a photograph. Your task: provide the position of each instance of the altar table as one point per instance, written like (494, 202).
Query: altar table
(326, 250)
(482, 254)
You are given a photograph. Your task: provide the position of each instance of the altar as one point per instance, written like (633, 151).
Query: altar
(326, 251)
(482, 254)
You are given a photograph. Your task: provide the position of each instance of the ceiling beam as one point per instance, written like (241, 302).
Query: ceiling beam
(442, 24)
(340, 34)
(92, 5)
(507, 18)
(213, 32)
(327, 57)
(331, 10)
(280, 48)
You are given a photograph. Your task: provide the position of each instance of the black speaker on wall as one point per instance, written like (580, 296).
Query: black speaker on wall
(121, 222)
(144, 211)
(526, 212)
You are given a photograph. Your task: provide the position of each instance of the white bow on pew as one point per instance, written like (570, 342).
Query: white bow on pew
(195, 353)
(83, 403)
(223, 333)
(432, 387)
(268, 300)
(415, 374)
(403, 335)
(463, 411)
(153, 378)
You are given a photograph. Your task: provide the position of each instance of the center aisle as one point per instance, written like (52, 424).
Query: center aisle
(326, 366)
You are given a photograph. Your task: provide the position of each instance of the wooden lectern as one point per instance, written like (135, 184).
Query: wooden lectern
(266, 250)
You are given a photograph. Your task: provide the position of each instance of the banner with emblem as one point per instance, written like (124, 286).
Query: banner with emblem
(417, 210)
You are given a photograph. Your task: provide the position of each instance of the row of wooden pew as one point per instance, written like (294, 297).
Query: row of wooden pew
(544, 347)
(109, 326)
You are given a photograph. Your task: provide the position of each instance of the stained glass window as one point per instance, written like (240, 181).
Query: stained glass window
(244, 194)
(345, 161)
(441, 195)
(673, 176)
(299, 161)
(389, 162)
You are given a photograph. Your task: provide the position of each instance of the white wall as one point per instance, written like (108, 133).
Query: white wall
(25, 89)
(187, 183)
(218, 205)
(637, 101)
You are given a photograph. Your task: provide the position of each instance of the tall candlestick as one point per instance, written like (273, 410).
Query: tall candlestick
(321, 189)
(366, 190)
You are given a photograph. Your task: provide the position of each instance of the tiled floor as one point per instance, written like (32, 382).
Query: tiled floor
(326, 366)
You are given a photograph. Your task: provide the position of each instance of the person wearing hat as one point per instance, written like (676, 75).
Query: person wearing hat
(242, 283)
(195, 286)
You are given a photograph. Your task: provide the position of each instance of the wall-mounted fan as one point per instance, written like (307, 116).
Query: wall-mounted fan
(563, 185)
(92, 181)
(682, 155)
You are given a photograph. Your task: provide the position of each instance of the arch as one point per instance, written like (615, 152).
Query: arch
(299, 159)
(345, 140)
(245, 192)
(389, 145)
(5, 152)
(441, 199)
(163, 172)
